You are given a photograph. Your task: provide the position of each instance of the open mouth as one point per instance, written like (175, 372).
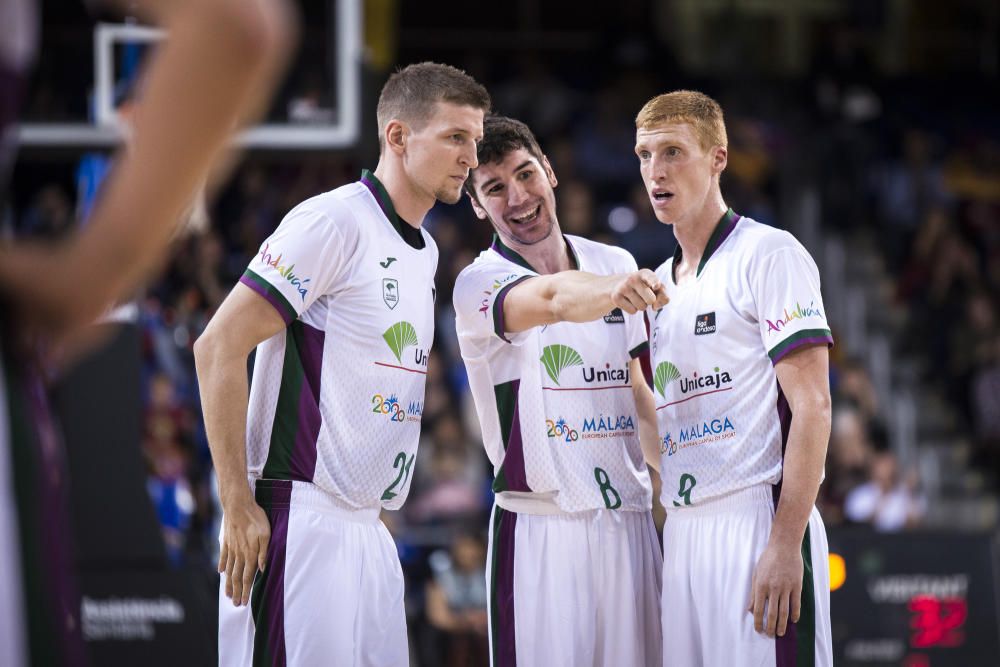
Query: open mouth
(528, 217)
(663, 196)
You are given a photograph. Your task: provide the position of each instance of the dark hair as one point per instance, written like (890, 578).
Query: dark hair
(502, 136)
(411, 93)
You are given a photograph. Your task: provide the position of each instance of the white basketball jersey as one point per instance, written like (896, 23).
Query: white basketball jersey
(555, 403)
(337, 397)
(722, 417)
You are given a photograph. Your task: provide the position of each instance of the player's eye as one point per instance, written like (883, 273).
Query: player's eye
(494, 189)
(643, 155)
(673, 151)
(525, 175)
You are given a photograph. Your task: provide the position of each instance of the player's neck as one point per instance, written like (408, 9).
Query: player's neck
(550, 255)
(693, 234)
(411, 205)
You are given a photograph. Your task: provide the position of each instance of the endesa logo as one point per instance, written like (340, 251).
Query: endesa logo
(286, 272)
(798, 312)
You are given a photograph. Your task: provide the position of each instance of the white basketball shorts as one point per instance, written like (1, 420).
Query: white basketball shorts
(331, 593)
(574, 589)
(710, 551)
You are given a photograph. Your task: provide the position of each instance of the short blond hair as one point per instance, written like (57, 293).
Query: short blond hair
(686, 106)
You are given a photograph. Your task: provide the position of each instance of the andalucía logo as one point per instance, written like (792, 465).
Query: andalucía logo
(797, 313)
(400, 336)
(668, 446)
(557, 357)
(286, 272)
(484, 306)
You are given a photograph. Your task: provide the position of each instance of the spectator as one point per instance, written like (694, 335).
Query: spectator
(887, 502)
(456, 600)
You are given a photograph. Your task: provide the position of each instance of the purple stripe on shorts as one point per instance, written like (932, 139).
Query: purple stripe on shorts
(786, 648)
(280, 492)
(271, 298)
(513, 460)
(303, 461)
(506, 644)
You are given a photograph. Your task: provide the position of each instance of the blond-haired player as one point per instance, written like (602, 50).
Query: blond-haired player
(740, 364)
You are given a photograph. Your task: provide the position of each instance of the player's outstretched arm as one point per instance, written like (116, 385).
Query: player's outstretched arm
(211, 76)
(578, 296)
(244, 320)
(645, 407)
(777, 579)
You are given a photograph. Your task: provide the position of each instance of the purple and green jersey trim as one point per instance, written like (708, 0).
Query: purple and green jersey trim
(271, 294)
(512, 255)
(511, 476)
(498, 321)
(638, 349)
(294, 434)
(723, 229)
(503, 645)
(267, 596)
(800, 339)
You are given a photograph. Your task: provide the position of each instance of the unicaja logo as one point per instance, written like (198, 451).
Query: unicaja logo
(665, 373)
(286, 272)
(400, 336)
(557, 357)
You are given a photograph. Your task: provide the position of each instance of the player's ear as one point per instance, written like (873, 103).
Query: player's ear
(720, 159)
(395, 136)
(476, 208)
(551, 175)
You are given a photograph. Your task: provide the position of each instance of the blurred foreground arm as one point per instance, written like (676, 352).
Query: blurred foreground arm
(211, 76)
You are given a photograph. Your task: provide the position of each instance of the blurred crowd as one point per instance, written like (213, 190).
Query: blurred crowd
(925, 184)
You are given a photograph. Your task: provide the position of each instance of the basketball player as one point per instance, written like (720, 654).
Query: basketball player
(339, 303)
(550, 327)
(740, 365)
(211, 77)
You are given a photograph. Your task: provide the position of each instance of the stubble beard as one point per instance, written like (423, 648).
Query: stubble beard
(448, 196)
